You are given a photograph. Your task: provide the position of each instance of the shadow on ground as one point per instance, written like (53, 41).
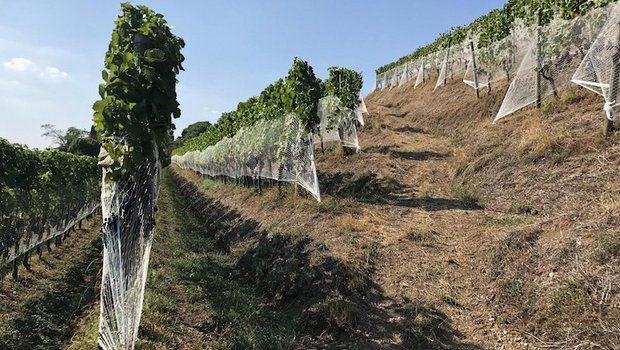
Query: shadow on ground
(289, 292)
(369, 188)
(49, 320)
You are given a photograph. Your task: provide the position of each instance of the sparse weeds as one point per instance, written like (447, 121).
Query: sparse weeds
(572, 95)
(349, 224)
(334, 315)
(539, 143)
(550, 105)
(505, 221)
(426, 237)
(449, 299)
(509, 288)
(608, 246)
(330, 205)
(467, 196)
(523, 209)
(570, 294)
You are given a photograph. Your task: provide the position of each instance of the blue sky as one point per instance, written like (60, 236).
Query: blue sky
(51, 52)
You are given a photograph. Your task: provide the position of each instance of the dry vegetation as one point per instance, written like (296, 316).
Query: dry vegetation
(445, 232)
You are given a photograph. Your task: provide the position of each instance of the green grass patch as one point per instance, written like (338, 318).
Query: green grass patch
(467, 196)
(608, 246)
(192, 281)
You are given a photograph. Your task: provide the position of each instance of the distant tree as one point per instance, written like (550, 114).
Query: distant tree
(85, 146)
(191, 131)
(195, 129)
(57, 135)
(73, 140)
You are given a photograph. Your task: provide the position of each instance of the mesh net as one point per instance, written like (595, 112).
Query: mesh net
(443, 70)
(404, 74)
(551, 56)
(599, 71)
(360, 111)
(337, 123)
(128, 208)
(455, 62)
(50, 230)
(277, 149)
(379, 81)
(523, 89)
(421, 74)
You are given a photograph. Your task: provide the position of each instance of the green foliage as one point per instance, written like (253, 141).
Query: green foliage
(195, 129)
(468, 197)
(497, 24)
(138, 96)
(345, 84)
(298, 93)
(303, 94)
(39, 188)
(74, 140)
(84, 146)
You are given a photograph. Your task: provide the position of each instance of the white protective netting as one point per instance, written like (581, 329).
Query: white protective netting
(381, 81)
(600, 69)
(337, 123)
(404, 75)
(128, 209)
(454, 62)
(277, 149)
(52, 229)
(360, 111)
(555, 51)
(497, 61)
(422, 75)
(396, 74)
(522, 90)
(442, 77)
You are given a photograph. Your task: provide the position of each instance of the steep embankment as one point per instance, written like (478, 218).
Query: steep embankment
(446, 231)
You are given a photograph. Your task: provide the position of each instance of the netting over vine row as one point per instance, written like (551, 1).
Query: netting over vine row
(360, 111)
(337, 123)
(277, 149)
(556, 50)
(600, 69)
(128, 208)
(51, 230)
(497, 61)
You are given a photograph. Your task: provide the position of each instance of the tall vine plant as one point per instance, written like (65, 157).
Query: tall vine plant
(345, 84)
(134, 121)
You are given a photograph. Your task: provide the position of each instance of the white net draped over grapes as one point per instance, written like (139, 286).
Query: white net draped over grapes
(497, 61)
(337, 123)
(360, 111)
(52, 229)
(556, 50)
(598, 70)
(128, 208)
(522, 89)
(421, 77)
(454, 62)
(277, 149)
(443, 70)
(583, 50)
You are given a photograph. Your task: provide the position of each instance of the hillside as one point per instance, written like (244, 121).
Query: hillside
(445, 231)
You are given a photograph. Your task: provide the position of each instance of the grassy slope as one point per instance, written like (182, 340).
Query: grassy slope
(445, 232)
(42, 308)
(462, 234)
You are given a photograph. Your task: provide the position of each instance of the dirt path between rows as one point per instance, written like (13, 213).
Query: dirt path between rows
(426, 240)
